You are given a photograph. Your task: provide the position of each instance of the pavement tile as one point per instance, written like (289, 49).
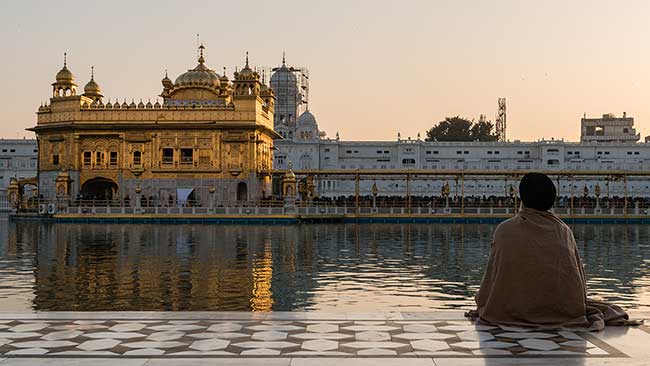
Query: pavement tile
(98, 344)
(373, 336)
(43, 344)
(539, 344)
(209, 344)
(61, 335)
(224, 327)
(320, 345)
(153, 344)
(270, 335)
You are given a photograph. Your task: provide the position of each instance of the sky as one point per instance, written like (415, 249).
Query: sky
(376, 67)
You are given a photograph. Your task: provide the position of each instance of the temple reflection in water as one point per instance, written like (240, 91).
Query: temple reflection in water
(300, 267)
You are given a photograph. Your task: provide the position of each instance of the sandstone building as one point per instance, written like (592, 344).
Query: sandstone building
(209, 141)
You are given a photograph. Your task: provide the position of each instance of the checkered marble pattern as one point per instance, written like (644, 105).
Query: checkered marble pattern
(274, 338)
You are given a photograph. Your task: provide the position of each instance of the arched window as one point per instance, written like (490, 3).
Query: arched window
(137, 158)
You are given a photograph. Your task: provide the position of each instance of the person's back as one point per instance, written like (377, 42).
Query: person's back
(534, 275)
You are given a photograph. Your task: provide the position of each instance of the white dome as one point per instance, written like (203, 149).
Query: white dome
(306, 118)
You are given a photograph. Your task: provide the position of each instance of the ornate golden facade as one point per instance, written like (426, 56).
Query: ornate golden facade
(210, 136)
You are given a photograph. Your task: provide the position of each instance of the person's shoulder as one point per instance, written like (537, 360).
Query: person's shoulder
(507, 227)
(508, 224)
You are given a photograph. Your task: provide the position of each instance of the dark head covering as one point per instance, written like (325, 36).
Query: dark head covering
(537, 191)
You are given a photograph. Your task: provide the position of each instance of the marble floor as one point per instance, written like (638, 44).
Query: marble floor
(310, 338)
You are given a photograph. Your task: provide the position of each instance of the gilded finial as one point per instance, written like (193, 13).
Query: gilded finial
(246, 58)
(166, 73)
(201, 48)
(263, 76)
(65, 59)
(284, 61)
(224, 71)
(92, 72)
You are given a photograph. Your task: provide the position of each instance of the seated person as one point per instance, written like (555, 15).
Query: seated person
(534, 275)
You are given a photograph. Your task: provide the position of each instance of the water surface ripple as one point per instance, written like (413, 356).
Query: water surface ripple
(328, 267)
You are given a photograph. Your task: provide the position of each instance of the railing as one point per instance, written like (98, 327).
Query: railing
(323, 210)
(4, 202)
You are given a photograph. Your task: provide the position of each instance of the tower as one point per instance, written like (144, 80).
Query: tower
(64, 85)
(501, 120)
(291, 87)
(247, 82)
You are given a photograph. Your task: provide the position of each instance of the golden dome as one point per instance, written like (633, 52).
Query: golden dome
(201, 75)
(247, 73)
(92, 89)
(64, 75)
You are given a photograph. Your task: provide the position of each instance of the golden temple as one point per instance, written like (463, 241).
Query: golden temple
(210, 140)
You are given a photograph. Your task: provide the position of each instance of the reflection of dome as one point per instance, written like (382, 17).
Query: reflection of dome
(201, 75)
(306, 119)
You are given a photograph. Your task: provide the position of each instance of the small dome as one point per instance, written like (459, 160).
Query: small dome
(307, 118)
(64, 76)
(224, 77)
(92, 88)
(167, 82)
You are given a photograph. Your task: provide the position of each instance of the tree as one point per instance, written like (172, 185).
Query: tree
(460, 129)
(483, 131)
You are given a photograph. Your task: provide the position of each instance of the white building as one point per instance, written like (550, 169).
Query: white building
(18, 159)
(609, 128)
(308, 150)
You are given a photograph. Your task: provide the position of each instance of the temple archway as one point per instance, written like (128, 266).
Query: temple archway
(99, 189)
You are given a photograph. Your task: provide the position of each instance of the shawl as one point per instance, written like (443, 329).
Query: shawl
(535, 278)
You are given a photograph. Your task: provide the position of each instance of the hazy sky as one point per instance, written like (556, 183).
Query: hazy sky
(377, 67)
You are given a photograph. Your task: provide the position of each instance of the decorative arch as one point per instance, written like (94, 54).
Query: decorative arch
(99, 189)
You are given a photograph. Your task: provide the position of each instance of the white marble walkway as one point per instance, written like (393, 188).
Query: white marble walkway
(302, 338)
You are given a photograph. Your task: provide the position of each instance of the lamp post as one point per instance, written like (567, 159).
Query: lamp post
(511, 193)
(138, 197)
(374, 196)
(597, 194)
(211, 191)
(444, 191)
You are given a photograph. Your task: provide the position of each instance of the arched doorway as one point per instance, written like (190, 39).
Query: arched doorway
(242, 192)
(98, 189)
